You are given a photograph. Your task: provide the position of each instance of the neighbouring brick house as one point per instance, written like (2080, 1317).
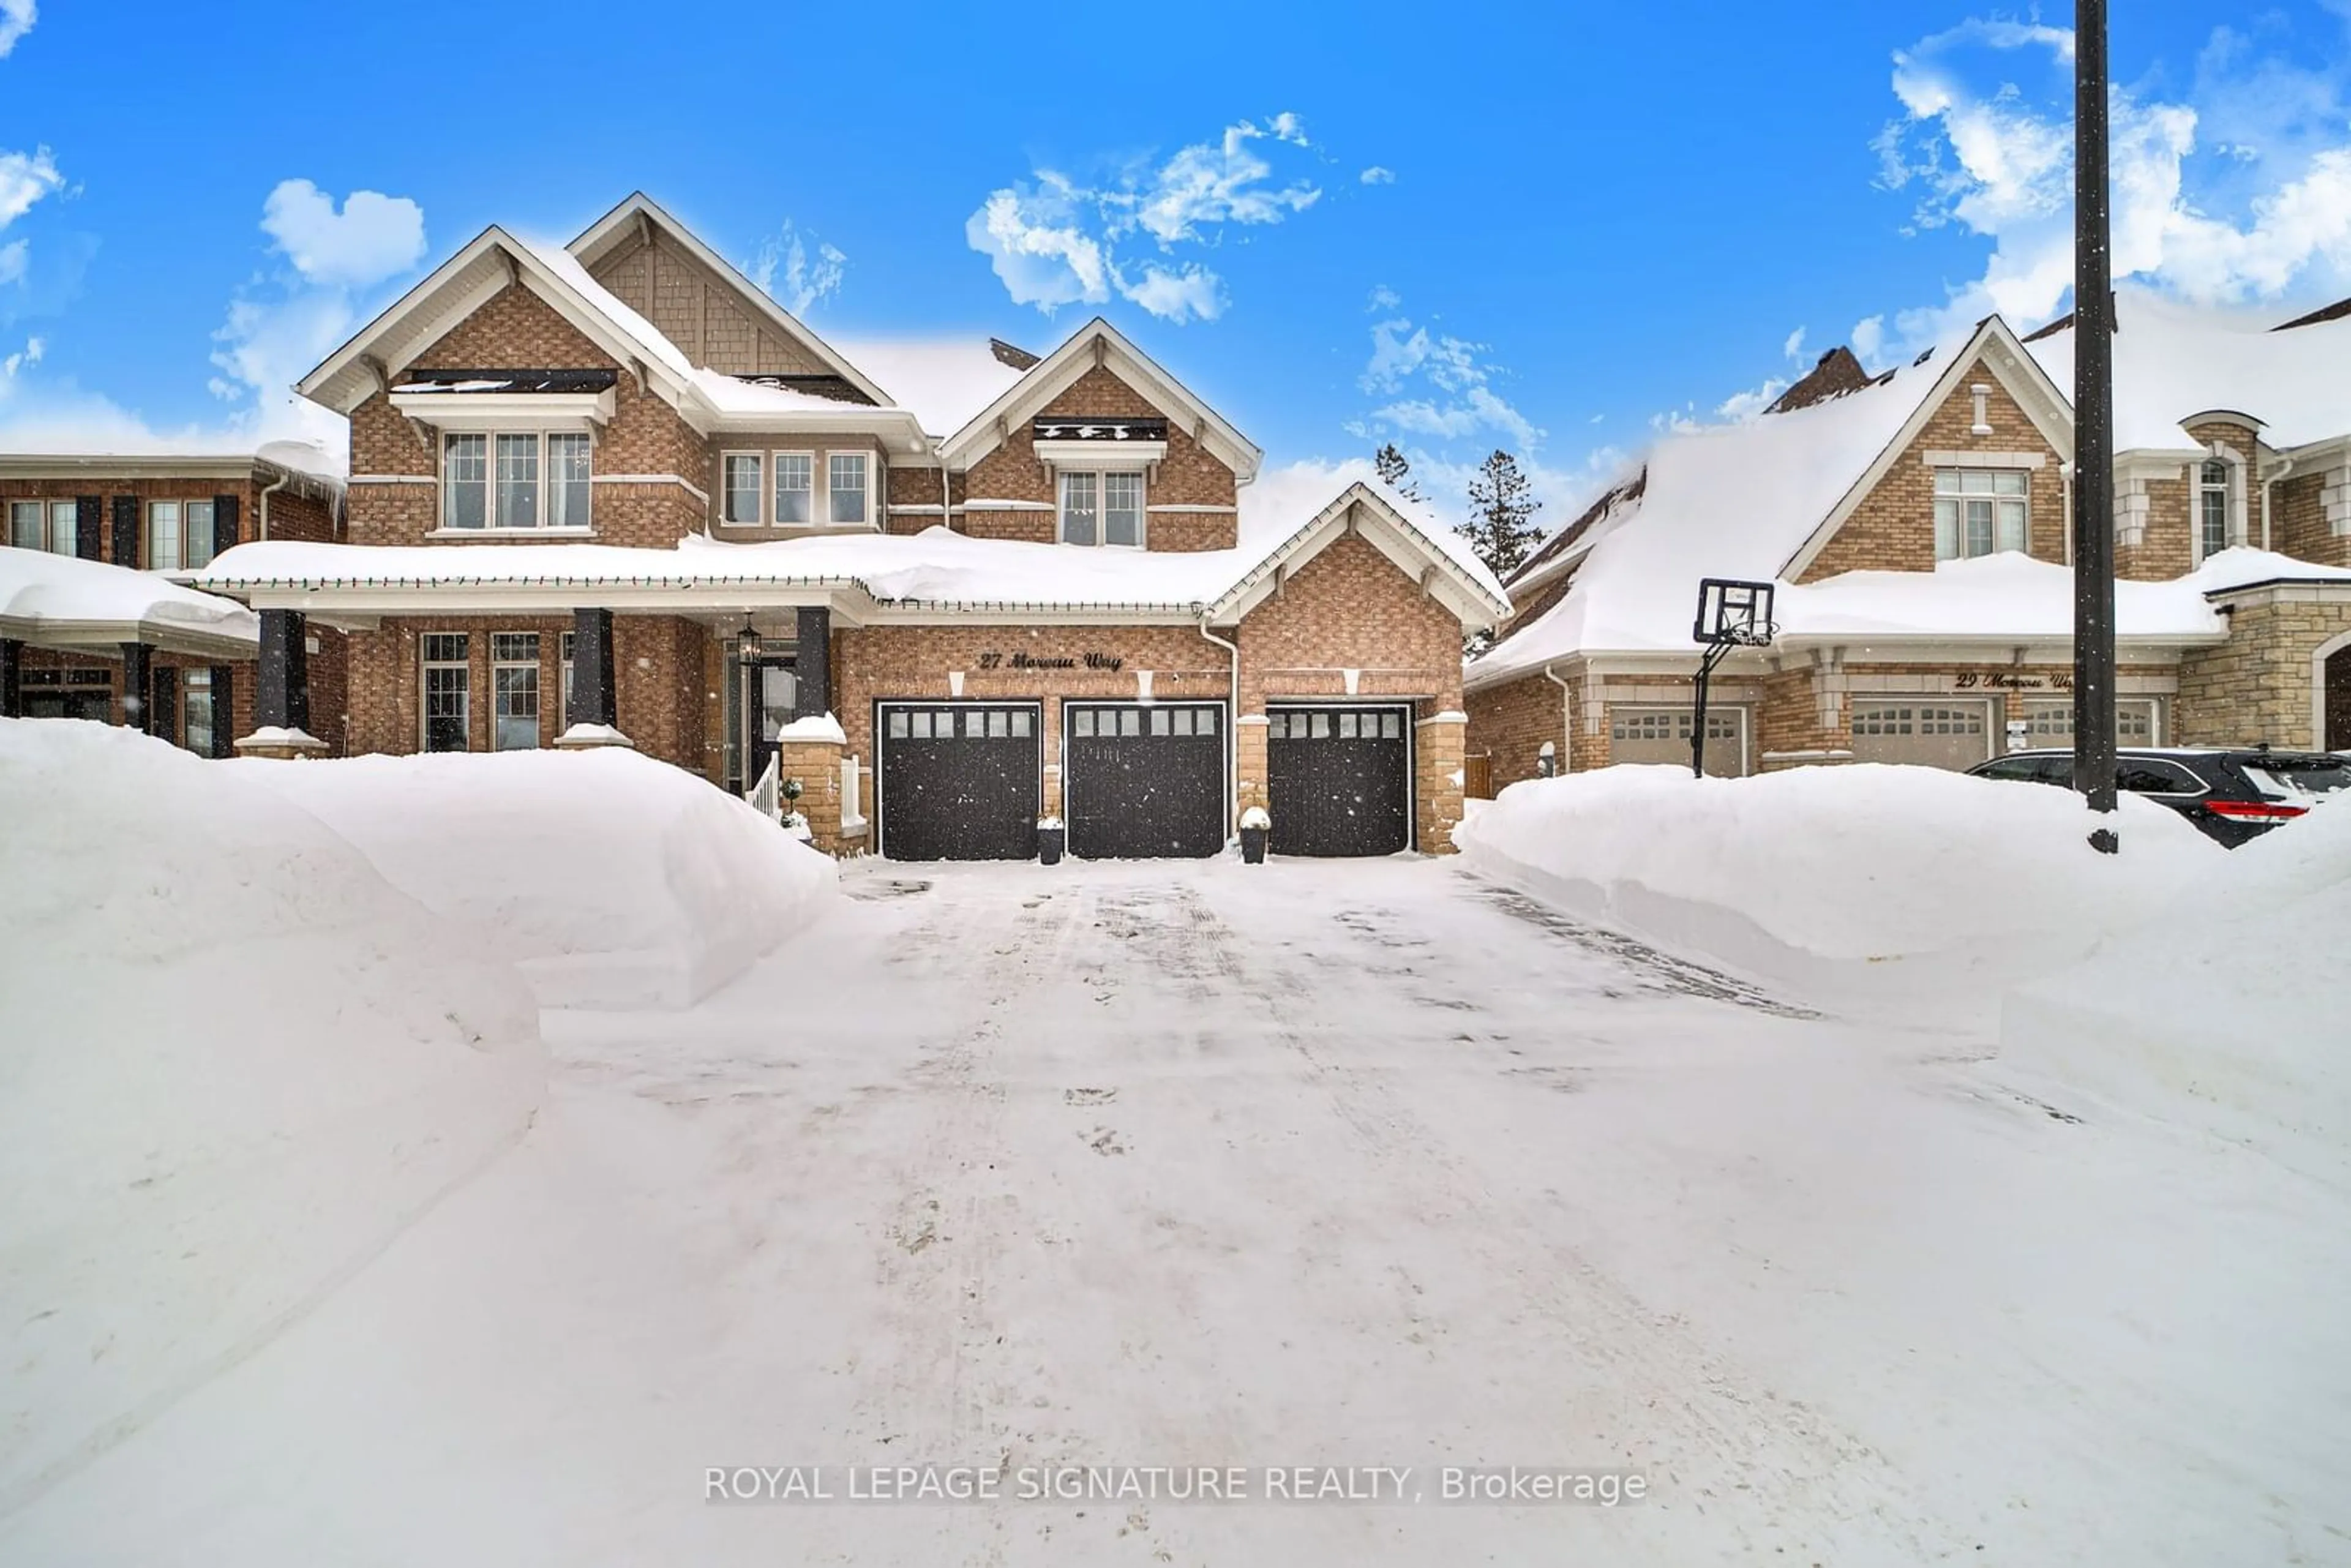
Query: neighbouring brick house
(1917, 529)
(96, 621)
(611, 493)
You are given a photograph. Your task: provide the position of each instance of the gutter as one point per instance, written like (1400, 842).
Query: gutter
(2268, 486)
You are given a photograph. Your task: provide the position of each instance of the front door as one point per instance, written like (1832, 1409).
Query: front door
(2339, 701)
(766, 689)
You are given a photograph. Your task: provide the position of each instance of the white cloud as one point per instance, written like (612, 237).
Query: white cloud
(373, 237)
(807, 279)
(1383, 297)
(1868, 337)
(1794, 346)
(2238, 188)
(17, 17)
(12, 260)
(1056, 242)
(24, 358)
(1446, 381)
(1377, 174)
(25, 179)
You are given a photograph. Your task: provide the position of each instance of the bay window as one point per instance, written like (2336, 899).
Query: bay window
(1102, 508)
(1979, 511)
(516, 479)
(739, 488)
(845, 488)
(795, 488)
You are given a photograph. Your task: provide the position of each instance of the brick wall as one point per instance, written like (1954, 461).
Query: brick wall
(1510, 722)
(658, 668)
(1893, 527)
(1349, 607)
(516, 329)
(2165, 547)
(1189, 474)
(2298, 519)
(315, 515)
(2258, 685)
(240, 715)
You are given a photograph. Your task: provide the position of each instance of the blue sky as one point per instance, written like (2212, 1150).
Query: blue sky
(1546, 227)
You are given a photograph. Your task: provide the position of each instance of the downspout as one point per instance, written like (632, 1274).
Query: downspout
(1232, 725)
(2268, 486)
(1566, 720)
(261, 507)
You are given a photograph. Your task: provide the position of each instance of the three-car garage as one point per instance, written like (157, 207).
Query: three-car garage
(967, 781)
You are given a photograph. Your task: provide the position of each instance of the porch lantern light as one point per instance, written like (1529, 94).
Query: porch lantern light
(747, 642)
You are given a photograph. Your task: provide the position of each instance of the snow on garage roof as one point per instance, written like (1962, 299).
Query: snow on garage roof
(1727, 501)
(44, 595)
(2172, 360)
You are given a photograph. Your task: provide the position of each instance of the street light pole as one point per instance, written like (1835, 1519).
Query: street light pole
(2093, 431)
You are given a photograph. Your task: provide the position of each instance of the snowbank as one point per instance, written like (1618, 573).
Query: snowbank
(1813, 871)
(235, 1063)
(611, 880)
(2228, 1013)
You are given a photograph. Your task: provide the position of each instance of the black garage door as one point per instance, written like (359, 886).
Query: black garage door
(1339, 780)
(1140, 779)
(958, 780)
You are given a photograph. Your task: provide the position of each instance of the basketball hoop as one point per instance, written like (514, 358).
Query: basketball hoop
(1731, 613)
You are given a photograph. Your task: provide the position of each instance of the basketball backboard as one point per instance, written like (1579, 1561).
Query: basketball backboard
(1733, 613)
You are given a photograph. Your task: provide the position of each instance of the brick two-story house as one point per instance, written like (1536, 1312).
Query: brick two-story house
(95, 620)
(1917, 525)
(613, 493)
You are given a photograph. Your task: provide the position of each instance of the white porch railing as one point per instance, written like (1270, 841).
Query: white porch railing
(768, 794)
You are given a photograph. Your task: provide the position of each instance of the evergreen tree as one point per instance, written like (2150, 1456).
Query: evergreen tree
(1502, 527)
(1396, 472)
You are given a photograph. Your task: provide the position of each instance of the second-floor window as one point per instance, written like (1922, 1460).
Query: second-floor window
(1102, 508)
(746, 500)
(1979, 511)
(45, 525)
(179, 535)
(2212, 508)
(515, 479)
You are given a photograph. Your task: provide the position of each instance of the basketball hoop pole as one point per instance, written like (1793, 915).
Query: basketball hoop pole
(1706, 662)
(2094, 432)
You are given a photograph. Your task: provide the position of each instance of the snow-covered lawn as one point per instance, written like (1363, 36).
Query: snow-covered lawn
(1377, 1163)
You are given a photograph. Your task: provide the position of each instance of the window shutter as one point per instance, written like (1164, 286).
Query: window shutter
(90, 527)
(224, 710)
(126, 530)
(224, 522)
(166, 713)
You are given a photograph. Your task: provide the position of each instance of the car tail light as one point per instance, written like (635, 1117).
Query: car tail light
(2255, 811)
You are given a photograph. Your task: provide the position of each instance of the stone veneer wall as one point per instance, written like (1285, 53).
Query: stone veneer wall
(2258, 685)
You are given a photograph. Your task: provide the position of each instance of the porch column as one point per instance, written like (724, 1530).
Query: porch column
(594, 718)
(138, 678)
(12, 691)
(281, 691)
(281, 699)
(812, 664)
(593, 699)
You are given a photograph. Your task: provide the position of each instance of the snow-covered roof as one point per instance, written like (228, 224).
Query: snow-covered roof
(936, 570)
(2012, 597)
(1730, 501)
(48, 598)
(2173, 360)
(945, 381)
(189, 456)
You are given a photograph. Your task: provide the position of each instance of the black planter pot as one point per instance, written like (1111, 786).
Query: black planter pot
(1048, 844)
(1253, 844)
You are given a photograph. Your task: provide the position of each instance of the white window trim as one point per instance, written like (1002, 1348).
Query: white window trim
(536, 664)
(1101, 477)
(873, 472)
(719, 496)
(148, 524)
(2236, 501)
(424, 661)
(491, 527)
(816, 492)
(2024, 545)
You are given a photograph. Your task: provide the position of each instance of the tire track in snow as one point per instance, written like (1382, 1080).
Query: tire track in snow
(1775, 1468)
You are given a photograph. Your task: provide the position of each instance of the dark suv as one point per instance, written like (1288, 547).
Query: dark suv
(2231, 795)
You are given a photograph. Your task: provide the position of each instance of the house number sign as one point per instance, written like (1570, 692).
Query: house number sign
(2007, 681)
(1024, 661)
